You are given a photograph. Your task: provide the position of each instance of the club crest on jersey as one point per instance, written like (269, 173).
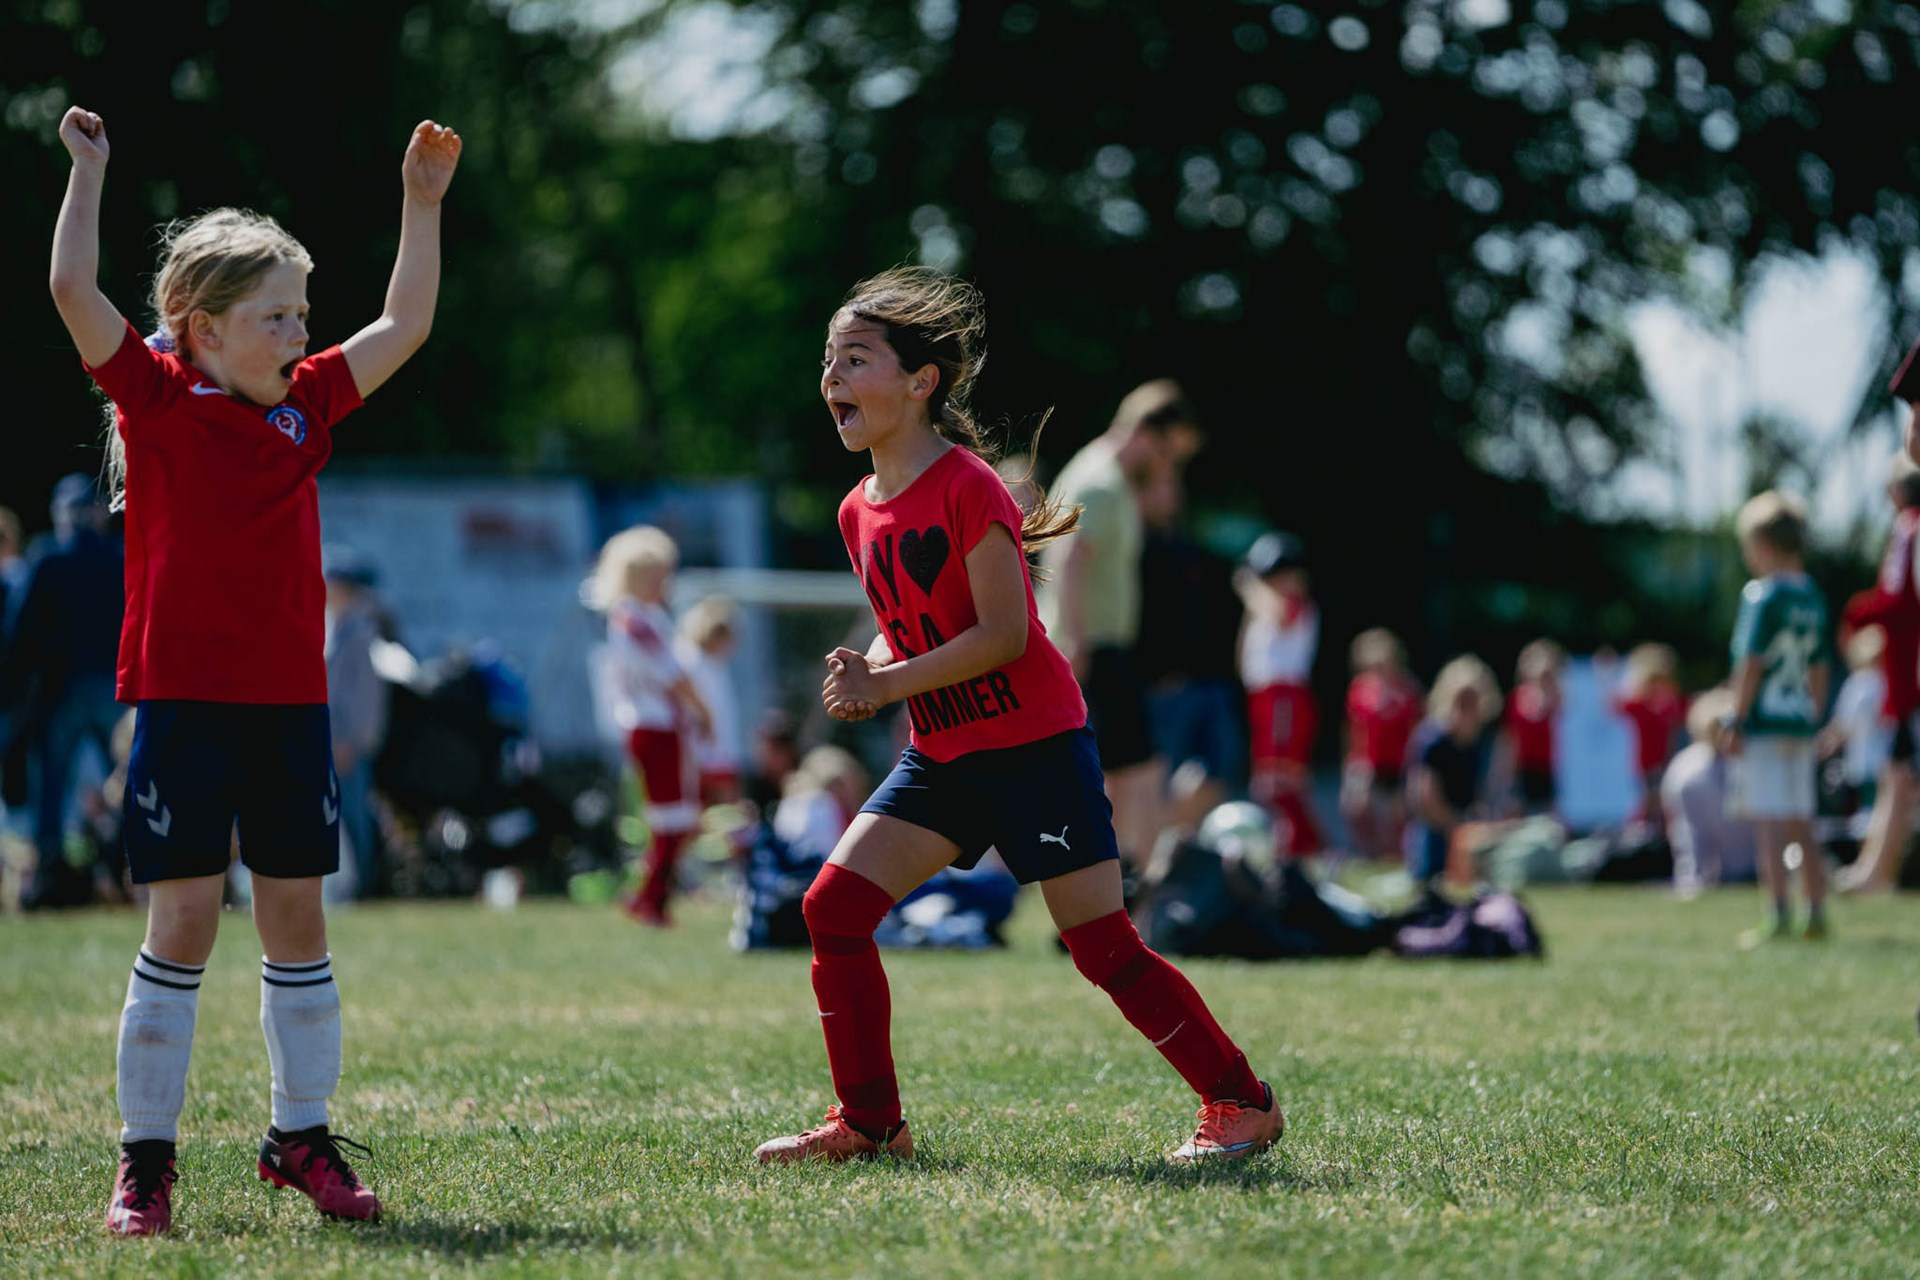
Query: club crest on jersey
(289, 422)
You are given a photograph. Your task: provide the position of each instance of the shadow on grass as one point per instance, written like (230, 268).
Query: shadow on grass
(470, 1239)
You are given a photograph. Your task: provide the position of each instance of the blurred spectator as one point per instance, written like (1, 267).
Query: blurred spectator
(705, 649)
(1383, 709)
(1893, 604)
(655, 702)
(1857, 732)
(1090, 598)
(1449, 762)
(1532, 723)
(1650, 697)
(1710, 845)
(13, 745)
(775, 755)
(356, 704)
(1189, 618)
(62, 656)
(1781, 668)
(1278, 644)
(819, 800)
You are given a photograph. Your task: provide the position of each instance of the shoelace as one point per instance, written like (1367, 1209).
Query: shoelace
(327, 1148)
(832, 1124)
(1216, 1116)
(146, 1177)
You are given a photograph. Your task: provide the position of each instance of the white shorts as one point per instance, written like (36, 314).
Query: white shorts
(1773, 778)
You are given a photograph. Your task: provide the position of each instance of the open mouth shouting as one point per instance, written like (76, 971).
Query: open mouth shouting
(845, 412)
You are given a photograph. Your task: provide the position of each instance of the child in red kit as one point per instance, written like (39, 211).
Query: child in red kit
(1530, 725)
(1383, 708)
(655, 702)
(1000, 756)
(1278, 644)
(1650, 697)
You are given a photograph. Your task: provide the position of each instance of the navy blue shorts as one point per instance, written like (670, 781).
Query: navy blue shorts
(199, 768)
(1042, 804)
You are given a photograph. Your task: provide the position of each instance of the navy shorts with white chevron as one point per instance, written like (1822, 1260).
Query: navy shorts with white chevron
(200, 768)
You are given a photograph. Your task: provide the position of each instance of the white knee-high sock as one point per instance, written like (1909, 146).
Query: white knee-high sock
(300, 1014)
(156, 1043)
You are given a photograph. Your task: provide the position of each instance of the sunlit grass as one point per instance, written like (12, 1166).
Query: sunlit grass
(555, 1092)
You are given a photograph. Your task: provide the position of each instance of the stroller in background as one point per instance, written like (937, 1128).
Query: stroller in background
(465, 788)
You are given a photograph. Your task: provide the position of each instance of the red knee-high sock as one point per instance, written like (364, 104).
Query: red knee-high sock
(843, 908)
(1162, 1006)
(663, 855)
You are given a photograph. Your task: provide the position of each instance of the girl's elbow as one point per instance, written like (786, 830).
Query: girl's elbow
(1013, 647)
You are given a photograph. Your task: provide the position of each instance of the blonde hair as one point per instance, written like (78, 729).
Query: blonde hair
(1647, 662)
(1539, 658)
(641, 547)
(1709, 711)
(1865, 646)
(706, 619)
(207, 263)
(820, 768)
(1777, 519)
(1375, 647)
(1465, 672)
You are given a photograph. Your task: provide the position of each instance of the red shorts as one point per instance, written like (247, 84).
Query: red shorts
(665, 768)
(1281, 720)
(719, 786)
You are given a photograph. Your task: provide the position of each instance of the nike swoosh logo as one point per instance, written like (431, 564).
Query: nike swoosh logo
(202, 389)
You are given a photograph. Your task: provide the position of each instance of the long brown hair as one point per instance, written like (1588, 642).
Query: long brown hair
(936, 318)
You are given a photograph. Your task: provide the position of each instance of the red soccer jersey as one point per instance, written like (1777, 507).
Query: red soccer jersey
(1381, 714)
(225, 602)
(1893, 603)
(910, 554)
(1657, 716)
(1530, 721)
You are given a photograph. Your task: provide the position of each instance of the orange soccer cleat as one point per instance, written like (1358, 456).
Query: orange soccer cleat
(1233, 1131)
(835, 1141)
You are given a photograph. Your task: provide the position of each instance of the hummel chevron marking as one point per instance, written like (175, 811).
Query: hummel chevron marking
(152, 798)
(162, 824)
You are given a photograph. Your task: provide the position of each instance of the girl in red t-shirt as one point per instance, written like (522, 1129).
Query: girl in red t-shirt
(1000, 754)
(222, 421)
(1650, 697)
(1383, 709)
(1533, 714)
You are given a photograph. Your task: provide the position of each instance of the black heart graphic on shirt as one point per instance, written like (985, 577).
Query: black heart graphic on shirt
(924, 555)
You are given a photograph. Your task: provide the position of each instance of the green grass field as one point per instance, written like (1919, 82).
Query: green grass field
(554, 1092)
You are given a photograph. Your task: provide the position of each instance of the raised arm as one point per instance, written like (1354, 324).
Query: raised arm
(96, 326)
(376, 352)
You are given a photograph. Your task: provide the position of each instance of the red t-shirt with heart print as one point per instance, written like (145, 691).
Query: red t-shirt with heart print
(910, 554)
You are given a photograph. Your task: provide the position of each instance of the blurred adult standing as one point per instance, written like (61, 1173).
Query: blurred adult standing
(1189, 625)
(356, 703)
(1090, 601)
(62, 654)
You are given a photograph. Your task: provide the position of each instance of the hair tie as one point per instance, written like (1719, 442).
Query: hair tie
(161, 341)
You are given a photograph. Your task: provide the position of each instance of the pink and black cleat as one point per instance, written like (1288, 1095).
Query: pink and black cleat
(309, 1161)
(142, 1203)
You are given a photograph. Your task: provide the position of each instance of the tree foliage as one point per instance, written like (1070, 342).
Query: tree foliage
(1389, 247)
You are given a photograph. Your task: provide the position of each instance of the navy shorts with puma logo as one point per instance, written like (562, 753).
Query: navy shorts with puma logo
(200, 768)
(1042, 804)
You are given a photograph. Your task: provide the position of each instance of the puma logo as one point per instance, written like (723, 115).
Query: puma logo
(1060, 839)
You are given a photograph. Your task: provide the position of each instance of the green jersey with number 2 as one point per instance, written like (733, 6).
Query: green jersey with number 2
(1783, 623)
